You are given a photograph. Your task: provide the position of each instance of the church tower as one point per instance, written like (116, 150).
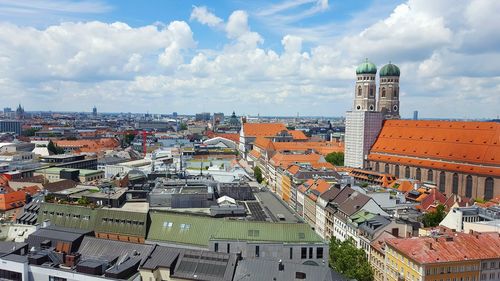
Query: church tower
(366, 87)
(364, 122)
(388, 93)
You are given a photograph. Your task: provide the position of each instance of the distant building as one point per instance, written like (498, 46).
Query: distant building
(415, 115)
(217, 119)
(94, 111)
(11, 126)
(20, 112)
(204, 116)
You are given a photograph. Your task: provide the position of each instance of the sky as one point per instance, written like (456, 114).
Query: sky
(273, 58)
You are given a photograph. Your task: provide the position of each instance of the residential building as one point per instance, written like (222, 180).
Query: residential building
(11, 126)
(82, 175)
(464, 219)
(446, 256)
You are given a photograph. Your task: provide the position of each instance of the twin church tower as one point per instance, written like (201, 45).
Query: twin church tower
(364, 122)
(388, 91)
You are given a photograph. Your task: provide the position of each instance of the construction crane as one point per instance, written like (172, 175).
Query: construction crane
(144, 134)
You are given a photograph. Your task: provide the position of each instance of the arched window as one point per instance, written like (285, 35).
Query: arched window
(383, 93)
(360, 91)
(468, 186)
(454, 184)
(430, 176)
(386, 168)
(418, 174)
(407, 172)
(377, 166)
(488, 188)
(442, 182)
(396, 92)
(396, 171)
(371, 92)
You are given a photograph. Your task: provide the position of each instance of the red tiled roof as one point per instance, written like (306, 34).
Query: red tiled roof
(233, 137)
(469, 147)
(458, 247)
(297, 135)
(432, 200)
(263, 143)
(262, 129)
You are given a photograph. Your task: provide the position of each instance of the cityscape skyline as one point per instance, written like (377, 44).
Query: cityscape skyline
(269, 58)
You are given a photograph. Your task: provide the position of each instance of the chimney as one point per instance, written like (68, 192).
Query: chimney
(281, 266)
(46, 223)
(430, 245)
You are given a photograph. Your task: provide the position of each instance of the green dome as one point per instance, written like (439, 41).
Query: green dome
(389, 70)
(366, 68)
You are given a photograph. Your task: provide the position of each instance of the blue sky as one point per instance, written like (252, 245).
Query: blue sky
(254, 57)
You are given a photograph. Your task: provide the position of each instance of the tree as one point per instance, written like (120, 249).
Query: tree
(30, 132)
(54, 148)
(432, 219)
(348, 260)
(258, 174)
(335, 158)
(128, 138)
(183, 127)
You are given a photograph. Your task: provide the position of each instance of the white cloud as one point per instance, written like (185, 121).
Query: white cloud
(159, 68)
(203, 16)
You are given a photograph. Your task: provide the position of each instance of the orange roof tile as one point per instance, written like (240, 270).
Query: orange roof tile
(233, 137)
(284, 160)
(255, 153)
(456, 146)
(298, 135)
(262, 129)
(453, 248)
(293, 169)
(263, 143)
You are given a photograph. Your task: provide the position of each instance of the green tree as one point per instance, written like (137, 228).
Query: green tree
(335, 158)
(54, 148)
(258, 174)
(128, 138)
(183, 127)
(30, 132)
(432, 219)
(349, 261)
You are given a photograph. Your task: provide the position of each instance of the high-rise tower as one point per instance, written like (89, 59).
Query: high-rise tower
(388, 99)
(366, 87)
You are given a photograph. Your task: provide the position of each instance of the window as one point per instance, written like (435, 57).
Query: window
(488, 188)
(407, 172)
(442, 182)
(310, 252)
(386, 168)
(216, 247)
(454, 184)
(167, 224)
(360, 91)
(257, 251)
(55, 278)
(468, 186)
(418, 174)
(319, 253)
(372, 107)
(303, 253)
(430, 175)
(291, 253)
(396, 171)
(10, 275)
(185, 226)
(377, 166)
(300, 275)
(358, 107)
(371, 92)
(383, 93)
(228, 248)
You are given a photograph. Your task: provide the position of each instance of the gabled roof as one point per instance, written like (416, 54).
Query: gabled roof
(262, 129)
(432, 200)
(354, 203)
(263, 143)
(297, 135)
(470, 147)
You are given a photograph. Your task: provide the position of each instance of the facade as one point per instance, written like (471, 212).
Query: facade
(362, 128)
(82, 175)
(11, 126)
(473, 217)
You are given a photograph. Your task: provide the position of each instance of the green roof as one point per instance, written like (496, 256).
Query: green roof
(182, 229)
(366, 68)
(198, 230)
(267, 232)
(389, 70)
(121, 222)
(67, 215)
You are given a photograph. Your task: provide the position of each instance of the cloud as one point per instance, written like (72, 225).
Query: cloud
(160, 68)
(203, 16)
